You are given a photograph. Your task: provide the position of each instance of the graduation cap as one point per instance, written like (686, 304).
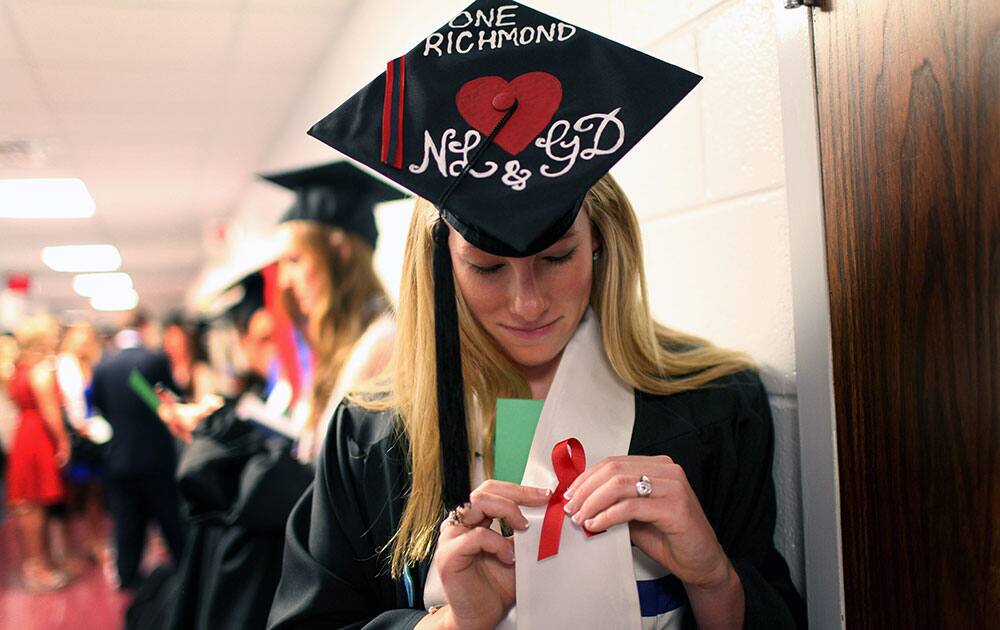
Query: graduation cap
(503, 118)
(250, 294)
(337, 194)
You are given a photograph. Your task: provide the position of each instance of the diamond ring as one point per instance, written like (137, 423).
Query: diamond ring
(643, 487)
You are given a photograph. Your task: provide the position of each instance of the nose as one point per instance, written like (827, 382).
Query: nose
(528, 300)
(284, 273)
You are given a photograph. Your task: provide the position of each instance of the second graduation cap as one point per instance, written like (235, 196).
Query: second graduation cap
(503, 118)
(337, 194)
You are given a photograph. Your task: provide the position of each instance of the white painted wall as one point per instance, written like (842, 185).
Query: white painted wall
(708, 183)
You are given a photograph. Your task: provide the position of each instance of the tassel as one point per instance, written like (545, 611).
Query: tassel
(450, 385)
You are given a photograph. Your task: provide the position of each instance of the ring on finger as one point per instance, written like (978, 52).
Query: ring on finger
(643, 487)
(456, 516)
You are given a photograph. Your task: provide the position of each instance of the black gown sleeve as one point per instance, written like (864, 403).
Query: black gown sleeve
(333, 575)
(746, 527)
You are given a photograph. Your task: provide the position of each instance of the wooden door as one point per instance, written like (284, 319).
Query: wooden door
(909, 111)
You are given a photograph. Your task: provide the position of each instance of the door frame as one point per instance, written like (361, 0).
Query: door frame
(811, 310)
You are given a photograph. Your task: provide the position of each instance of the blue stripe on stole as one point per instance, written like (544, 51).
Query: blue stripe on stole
(660, 596)
(408, 585)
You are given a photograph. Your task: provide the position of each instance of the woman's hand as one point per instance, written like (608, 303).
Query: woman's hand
(183, 418)
(668, 525)
(476, 564)
(62, 449)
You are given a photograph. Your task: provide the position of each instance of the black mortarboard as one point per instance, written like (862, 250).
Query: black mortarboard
(503, 118)
(251, 300)
(338, 194)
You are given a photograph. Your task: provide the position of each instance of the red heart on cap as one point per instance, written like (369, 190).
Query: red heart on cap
(483, 102)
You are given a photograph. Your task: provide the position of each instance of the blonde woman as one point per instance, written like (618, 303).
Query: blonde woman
(646, 498)
(329, 286)
(39, 449)
(366, 535)
(80, 352)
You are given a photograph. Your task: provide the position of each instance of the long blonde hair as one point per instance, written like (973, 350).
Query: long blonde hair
(645, 354)
(349, 287)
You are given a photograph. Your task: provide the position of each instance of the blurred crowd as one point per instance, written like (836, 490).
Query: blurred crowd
(201, 431)
(55, 442)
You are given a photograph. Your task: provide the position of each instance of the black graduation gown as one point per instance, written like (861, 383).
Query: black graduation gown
(239, 486)
(334, 575)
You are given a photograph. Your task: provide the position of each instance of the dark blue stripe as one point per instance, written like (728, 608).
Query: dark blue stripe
(660, 596)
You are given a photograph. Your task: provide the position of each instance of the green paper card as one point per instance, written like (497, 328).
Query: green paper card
(515, 429)
(143, 389)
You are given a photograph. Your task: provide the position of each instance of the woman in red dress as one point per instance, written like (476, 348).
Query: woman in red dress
(39, 449)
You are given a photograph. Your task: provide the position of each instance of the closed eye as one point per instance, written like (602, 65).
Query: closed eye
(558, 260)
(485, 271)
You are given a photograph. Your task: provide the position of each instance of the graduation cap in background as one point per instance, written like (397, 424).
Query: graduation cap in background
(337, 194)
(503, 118)
(251, 299)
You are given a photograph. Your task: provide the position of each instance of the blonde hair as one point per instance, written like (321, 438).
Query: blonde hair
(338, 320)
(80, 340)
(34, 333)
(645, 354)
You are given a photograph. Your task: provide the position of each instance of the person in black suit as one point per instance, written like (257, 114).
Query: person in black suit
(142, 457)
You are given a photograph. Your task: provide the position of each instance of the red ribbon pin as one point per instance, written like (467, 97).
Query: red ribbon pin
(568, 461)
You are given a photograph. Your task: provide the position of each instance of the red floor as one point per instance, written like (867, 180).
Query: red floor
(88, 602)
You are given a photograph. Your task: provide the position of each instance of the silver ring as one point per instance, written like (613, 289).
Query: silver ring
(643, 487)
(455, 516)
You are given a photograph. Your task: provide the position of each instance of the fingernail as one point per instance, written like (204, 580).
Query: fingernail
(569, 508)
(513, 558)
(526, 525)
(589, 523)
(576, 519)
(568, 494)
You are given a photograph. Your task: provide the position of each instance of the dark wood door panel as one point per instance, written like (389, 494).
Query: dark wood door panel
(909, 108)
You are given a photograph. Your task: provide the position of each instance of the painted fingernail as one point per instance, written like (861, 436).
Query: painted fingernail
(576, 519)
(569, 508)
(568, 494)
(589, 524)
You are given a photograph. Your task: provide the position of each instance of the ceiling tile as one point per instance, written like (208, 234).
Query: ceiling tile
(316, 7)
(133, 130)
(97, 85)
(126, 34)
(19, 89)
(269, 40)
(9, 49)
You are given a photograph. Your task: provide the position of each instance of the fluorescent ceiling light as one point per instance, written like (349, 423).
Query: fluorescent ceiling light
(124, 301)
(94, 284)
(45, 199)
(82, 258)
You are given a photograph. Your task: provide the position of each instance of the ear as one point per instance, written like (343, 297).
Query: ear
(345, 250)
(341, 245)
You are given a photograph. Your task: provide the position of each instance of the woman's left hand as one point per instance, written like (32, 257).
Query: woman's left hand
(183, 418)
(668, 525)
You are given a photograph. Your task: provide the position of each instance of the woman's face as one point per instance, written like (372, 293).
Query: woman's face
(531, 306)
(299, 272)
(175, 342)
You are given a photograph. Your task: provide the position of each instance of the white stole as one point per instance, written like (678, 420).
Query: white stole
(590, 583)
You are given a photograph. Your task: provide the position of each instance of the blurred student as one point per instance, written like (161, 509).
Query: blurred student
(192, 374)
(141, 457)
(40, 447)
(80, 351)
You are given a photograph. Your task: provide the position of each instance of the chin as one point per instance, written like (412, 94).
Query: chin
(534, 356)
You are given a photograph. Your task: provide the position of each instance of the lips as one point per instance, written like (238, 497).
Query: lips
(531, 332)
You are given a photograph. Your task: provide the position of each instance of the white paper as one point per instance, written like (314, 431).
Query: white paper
(590, 583)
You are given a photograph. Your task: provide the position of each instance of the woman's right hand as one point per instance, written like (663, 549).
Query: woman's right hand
(476, 564)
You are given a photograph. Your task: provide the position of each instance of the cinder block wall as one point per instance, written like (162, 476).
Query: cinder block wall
(708, 182)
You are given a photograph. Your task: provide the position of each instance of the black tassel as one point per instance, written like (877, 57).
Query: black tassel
(450, 385)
